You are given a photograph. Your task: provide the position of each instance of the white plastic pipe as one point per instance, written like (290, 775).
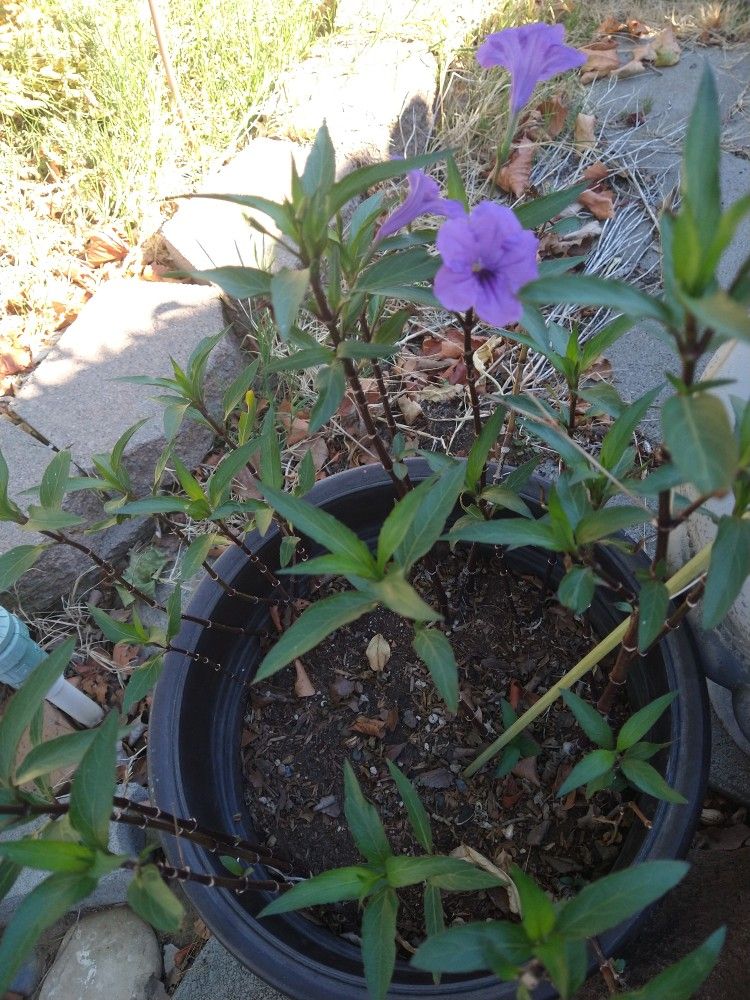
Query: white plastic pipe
(19, 655)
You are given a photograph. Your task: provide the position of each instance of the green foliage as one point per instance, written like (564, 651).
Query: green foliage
(150, 898)
(518, 748)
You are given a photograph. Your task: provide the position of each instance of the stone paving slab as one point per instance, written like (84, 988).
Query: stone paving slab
(207, 233)
(218, 975)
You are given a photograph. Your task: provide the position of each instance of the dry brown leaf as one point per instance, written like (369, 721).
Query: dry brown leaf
(378, 652)
(514, 176)
(559, 244)
(599, 45)
(123, 654)
(645, 52)
(440, 393)
(584, 132)
(465, 853)
(369, 727)
(637, 28)
(410, 409)
(596, 171)
(303, 686)
(329, 806)
(667, 48)
(599, 201)
(526, 768)
(13, 359)
(104, 245)
(599, 63)
(632, 68)
(610, 26)
(484, 354)
(554, 114)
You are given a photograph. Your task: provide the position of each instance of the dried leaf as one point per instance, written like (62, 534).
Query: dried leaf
(526, 768)
(596, 171)
(599, 201)
(104, 245)
(514, 176)
(341, 688)
(13, 359)
(410, 408)
(632, 68)
(466, 853)
(369, 727)
(554, 113)
(584, 132)
(378, 652)
(123, 654)
(667, 48)
(303, 686)
(438, 777)
(599, 63)
(329, 806)
(484, 355)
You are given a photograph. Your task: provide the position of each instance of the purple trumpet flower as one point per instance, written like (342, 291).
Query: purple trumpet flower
(487, 258)
(531, 53)
(424, 198)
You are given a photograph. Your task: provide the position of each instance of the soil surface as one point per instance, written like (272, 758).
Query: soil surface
(294, 749)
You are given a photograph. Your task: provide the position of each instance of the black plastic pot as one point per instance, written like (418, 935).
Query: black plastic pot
(195, 765)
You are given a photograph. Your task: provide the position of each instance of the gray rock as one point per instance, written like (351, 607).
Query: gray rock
(111, 955)
(375, 96)
(207, 233)
(74, 400)
(218, 975)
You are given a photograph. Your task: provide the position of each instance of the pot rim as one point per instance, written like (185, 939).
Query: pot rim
(282, 950)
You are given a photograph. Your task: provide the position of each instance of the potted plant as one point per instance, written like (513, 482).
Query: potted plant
(396, 633)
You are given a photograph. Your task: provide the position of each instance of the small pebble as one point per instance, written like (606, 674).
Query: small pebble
(373, 770)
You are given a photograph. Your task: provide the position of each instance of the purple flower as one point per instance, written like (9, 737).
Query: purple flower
(531, 53)
(487, 257)
(424, 198)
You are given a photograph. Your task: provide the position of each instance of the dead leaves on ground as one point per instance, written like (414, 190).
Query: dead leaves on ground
(603, 56)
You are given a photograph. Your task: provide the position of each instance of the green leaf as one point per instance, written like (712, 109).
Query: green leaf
(681, 980)
(288, 288)
(168, 504)
(396, 593)
(141, 682)
(595, 346)
(399, 520)
(614, 898)
(620, 434)
(150, 898)
(576, 589)
(566, 963)
(700, 163)
(434, 649)
(54, 480)
(114, 630)
(321, 526)
(609, 520)
(533, 213)
(309, 357)
(418, 815)
(391, 329)
(638, 725)
(653, 607)
(21, 707)
(594, 765)
(699, 438)
(537, 911)
(330, 386)
(721, 313)
(42, 519)
(646, 778)
(590, 721)
(196, 554)
(463, 947)
(239, 282)
(363, 820)
(49, 855)
(360, 349)
(728, 569)
(398, 269)
(17, 561)
(236, 390)
(466, 879)
(332, 886)
(358, 181)
(402, 870)
(379, 942)
(314, 624)
(434, 918)
(434, 510)
(9, 872)
(281, 214)
(63, 751)
(506, 498)
(43, 906)
(584, 290)
(320, 168)
(482, 446)
(511, 531)
(94, 786)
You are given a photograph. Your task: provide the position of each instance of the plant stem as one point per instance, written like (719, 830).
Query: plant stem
(468, 322)
(255, 561)
(618, 675)
(235, 883)
(511, 425)
(380, 380)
